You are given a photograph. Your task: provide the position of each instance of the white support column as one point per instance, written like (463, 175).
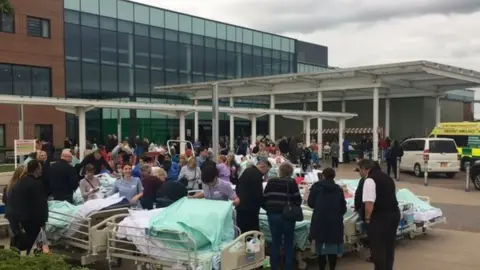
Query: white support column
(438, 110)
(253, 120)
(387, 118)
(306, 127)
(305, 106)
(344, 105)
(375, 124)
(195, 121)
(82, 132)
(181, 117)
(215, 123)
(21, 129)
(320, 124)
(119, 126)
(341, 130)
(271, 121)
(232, 126)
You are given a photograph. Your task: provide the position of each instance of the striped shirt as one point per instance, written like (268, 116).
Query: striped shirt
(275, 195)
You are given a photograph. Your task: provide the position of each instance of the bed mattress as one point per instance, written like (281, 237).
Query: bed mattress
(423, 216)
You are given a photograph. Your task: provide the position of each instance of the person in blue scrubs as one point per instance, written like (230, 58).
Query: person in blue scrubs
(129, 186)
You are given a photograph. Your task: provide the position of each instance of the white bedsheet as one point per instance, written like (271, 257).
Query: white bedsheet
(427, 215)
(140, 221)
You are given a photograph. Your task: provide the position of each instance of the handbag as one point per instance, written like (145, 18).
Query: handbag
(292, 212)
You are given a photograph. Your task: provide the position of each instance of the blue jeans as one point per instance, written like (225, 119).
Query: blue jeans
(282, 233)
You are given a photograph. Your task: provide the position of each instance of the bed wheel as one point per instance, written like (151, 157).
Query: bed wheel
(116, 263)
(411, 235)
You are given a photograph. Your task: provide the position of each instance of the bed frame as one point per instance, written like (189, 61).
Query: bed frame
(119, 248)
(425, 226)
(87, 235)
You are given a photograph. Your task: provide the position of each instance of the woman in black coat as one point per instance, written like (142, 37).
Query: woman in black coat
(328, 202)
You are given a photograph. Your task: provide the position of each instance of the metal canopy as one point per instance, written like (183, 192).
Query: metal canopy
(398, 80)
(66, 104)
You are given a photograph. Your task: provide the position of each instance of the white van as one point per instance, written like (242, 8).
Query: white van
(442, 156)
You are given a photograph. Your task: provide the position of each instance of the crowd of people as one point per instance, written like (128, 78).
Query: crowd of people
(157, 181)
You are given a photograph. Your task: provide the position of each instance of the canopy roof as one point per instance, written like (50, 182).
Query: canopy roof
(408, 79)
(65, 104)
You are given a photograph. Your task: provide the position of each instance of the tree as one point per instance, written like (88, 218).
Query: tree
(6, 7)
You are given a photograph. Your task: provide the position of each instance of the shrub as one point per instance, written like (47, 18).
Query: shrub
(11, 260)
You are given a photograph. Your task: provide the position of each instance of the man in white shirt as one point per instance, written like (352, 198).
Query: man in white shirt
(382, 214)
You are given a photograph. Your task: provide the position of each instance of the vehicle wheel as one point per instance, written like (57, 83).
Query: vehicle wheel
(476, 182)
(451, 175)
(417, 170)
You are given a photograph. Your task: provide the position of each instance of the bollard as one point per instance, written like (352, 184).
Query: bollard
(398, 168)
(467, 176)
(425, 174)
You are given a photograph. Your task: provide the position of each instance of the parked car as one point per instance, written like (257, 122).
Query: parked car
(441, 153)
(475, 174)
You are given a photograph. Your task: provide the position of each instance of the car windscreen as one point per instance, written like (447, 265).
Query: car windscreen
(440, 146)
(460, 140)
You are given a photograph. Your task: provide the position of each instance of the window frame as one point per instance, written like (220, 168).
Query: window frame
(13, 23)
(3, 140)
(41, 26)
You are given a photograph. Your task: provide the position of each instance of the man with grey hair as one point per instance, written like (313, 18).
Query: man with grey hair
(250, 192)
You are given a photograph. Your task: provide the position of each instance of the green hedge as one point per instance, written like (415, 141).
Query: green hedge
(11, 260)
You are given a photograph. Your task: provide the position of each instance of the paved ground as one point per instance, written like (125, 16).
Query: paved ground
(452, 246)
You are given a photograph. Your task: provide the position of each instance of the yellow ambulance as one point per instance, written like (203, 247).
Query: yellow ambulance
(465, 134)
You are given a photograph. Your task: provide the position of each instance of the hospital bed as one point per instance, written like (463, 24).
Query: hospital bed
(135, 242)
(81, 238)
(427, 220)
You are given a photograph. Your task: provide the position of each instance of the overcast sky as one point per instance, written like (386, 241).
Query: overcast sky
(359, 32)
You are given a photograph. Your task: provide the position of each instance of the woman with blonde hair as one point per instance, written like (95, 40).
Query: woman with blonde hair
(190, 174)
(17, 175)
(223, 169)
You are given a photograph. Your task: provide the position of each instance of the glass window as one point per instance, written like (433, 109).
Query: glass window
(230, 33)
(247, 63)
(230, 65)
(41, 82)
(125, 80)
(171, 35)
(89, 20)
(125, 27)
(285, 44)
(198, 26)
(171, 55)
(221, 64)
(108, 8)
(71, 4)
(221, 44)
(210, 61)
(142, 52)
(285, 67)
(90, 44)
(156, 32)
(90, 78)
(22, 81)
(89, 6)
(257, 39)
(185, 23)
(2, 135)
(141, 30)
(125, 10)
(171, 78)
(185, 78)
(277, 43)
(247, 36)
(221, 31)
(197, 78)
(108, 46)
(276, 66)
(267, 66)
(198, 56)
(210, 42)
(157, 78)
(37, 27)
(171, 20)
(6, 79)
(185, 58)
(239, 34)
(257, 65)
(292, 45)
(142, 82)
(157, 48)
(73, 79)
(142, 14)
(44, 132)
(185, 38)
(70, 16)
(125, 49)
(198, 40)
(230, 46)
(72, 41)
(108, 23)
(247, 49)
(157, 17)
(109, 79)
(210, 29)
(285, 56)
(267, 41)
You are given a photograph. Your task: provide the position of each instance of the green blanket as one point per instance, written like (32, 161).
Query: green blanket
(57, 222)
(209, 223)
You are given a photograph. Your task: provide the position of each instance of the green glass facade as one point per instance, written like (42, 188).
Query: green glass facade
(121, 50)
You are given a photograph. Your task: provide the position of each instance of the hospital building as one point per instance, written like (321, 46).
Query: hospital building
(121, 50)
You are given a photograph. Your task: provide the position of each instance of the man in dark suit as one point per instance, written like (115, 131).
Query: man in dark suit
(63, 178)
